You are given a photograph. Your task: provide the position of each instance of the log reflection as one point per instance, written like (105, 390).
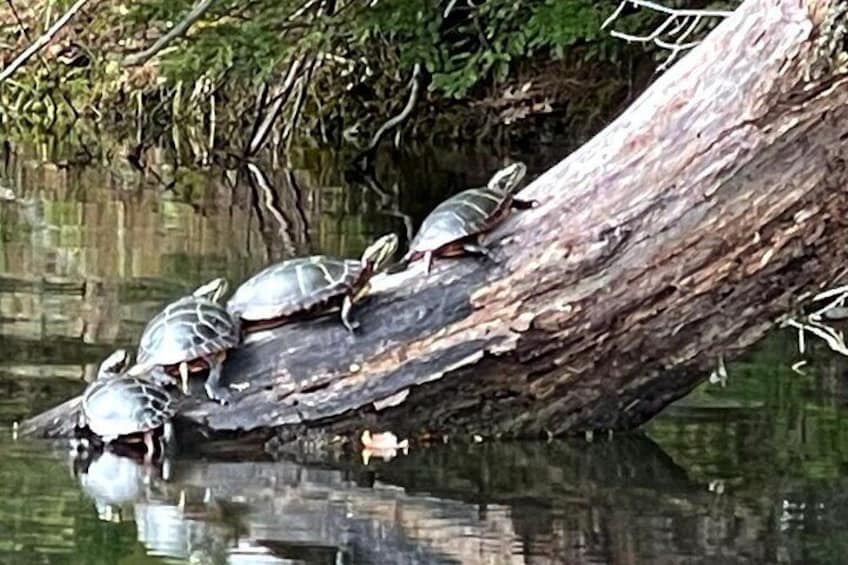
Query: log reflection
(620, 501)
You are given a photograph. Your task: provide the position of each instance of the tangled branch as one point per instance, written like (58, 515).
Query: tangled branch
(673, 34)
(817, 324)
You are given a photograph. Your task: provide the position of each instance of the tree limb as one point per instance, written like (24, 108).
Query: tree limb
(143, 56)
(42, 41)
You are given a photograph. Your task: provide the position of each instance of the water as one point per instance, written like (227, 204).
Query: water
(751, 472)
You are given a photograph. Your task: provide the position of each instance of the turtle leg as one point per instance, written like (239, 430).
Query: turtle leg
(149, 446)
(356, 297)
(428, 261)
(477, 249)
(347, 304)
(519, 204)
(184, 373)
(168, 437)
(214, 390)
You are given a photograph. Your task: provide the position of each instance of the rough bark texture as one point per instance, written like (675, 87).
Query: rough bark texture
(678, 233)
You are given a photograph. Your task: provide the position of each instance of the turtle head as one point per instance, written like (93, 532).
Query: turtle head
(378, 254)
(114, 365)
(213, 290)
(506, 180)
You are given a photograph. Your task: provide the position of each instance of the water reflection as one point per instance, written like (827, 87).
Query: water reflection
(113, 481)
(559, 509)
(619, 500)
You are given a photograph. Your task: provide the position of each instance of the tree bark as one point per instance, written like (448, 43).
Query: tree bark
(679, 233)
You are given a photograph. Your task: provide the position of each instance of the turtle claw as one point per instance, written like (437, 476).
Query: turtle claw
(161, 377)
(220, 395)
(351, 325)
(480, 251)
(213, 387)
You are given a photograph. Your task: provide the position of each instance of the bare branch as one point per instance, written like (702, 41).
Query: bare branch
(277, 102)
(42, 41)
(816, 322)
(666, 35)
(394, 121)
(300, 11)
(143, 56)
(288, 132)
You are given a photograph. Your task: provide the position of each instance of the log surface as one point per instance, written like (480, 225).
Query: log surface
(680, 232)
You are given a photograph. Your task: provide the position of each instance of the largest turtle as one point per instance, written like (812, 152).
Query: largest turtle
(455, 226)
(190, 335)
(309, 285)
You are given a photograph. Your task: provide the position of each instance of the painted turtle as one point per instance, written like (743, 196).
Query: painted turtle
(130, 408)
(309, 286)
(191, 335)
(454, 226)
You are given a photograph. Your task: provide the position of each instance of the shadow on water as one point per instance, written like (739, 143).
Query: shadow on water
(753, 471)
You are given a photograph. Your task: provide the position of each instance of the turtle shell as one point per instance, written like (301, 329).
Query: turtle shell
(187, 329)
(295, 286)
(468, 213)
(124, 405)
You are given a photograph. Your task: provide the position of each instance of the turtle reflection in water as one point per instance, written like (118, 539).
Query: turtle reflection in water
(115, 482)
(191, 335)
(309, 286)
(132, 409)
(455, 226)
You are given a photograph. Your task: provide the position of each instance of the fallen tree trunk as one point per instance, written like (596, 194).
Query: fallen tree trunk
(677, 234)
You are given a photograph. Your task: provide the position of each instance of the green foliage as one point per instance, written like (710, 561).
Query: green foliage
(474, 45)
(469, 47)
(363, 54)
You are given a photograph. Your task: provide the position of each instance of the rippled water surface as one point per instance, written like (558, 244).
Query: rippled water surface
(750, 471)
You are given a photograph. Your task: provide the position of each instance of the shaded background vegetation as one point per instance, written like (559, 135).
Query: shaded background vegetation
(496, 68)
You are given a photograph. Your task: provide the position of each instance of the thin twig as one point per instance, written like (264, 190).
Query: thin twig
(288, 133)
(299, 12)
(18, 19)
(664, 10)
(42, 41)
(679, 18)
(414, 86)
(143, 56)
(277, 102)
(828, 334)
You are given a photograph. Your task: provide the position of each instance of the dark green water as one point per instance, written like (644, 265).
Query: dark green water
(751, 472)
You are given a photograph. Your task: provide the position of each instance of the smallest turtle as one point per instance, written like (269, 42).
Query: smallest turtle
(132, 409)
(454, 227)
